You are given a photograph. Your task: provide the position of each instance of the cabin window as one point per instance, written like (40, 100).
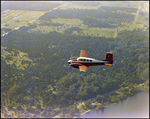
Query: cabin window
(84, 59)
(87, 60)
(90, 60)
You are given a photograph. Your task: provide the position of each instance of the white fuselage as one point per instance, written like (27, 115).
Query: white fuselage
(86, 60)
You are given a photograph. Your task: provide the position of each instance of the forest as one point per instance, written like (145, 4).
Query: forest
(44, 78)
(36, 78)
(98, 15)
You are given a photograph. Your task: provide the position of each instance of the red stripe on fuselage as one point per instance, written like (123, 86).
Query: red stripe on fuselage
(86, 63)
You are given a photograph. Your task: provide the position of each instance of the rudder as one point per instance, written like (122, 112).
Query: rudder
(109, 58)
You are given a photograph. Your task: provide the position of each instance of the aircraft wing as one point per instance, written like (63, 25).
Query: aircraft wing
(83, 68)
(83, 53)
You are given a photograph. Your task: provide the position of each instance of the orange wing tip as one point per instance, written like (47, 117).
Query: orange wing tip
(108, 64)
(83, 68)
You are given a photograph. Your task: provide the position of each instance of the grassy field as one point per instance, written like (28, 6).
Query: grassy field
(68, 23)
(17, 59)
(15, 18)
(99, 32)
(72, 6)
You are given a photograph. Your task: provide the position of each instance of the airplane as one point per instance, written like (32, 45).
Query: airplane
(83, 62)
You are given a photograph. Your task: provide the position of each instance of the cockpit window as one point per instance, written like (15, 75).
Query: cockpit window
(74, 60)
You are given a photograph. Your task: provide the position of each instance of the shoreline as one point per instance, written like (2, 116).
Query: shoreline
(139, 88)
(86, 112)
(105, 106)
(101, 110)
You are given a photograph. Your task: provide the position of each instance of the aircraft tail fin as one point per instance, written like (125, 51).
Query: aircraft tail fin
(109, 58)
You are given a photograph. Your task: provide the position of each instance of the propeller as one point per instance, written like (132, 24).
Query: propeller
(70, 63)
(70, 66)
(71, 57)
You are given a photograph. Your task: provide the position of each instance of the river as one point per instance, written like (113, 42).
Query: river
(136, 106)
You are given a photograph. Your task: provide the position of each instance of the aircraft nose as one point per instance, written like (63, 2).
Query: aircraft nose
(69, 61)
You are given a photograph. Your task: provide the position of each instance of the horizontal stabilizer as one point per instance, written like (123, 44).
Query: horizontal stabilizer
(108, 64)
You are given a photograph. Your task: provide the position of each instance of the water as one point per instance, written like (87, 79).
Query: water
(136, 107)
